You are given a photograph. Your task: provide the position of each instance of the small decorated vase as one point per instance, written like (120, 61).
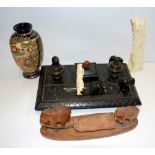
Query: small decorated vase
(27, 49)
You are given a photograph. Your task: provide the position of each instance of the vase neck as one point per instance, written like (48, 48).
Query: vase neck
(23, 28)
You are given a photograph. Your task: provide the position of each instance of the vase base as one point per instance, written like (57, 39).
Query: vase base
(31, 75)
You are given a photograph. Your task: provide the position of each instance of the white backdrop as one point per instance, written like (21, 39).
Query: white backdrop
(73, 34)
(76, 34)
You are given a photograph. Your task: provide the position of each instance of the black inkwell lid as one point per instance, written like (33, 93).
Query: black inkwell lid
(22, 28)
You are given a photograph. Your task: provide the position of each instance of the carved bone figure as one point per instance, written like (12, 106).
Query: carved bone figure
(54, 116)
(123, 114)
(136, 61)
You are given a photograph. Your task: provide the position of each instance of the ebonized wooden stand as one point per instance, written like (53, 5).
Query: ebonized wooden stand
(116, 94)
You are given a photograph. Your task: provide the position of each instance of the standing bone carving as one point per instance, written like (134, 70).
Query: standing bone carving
(54, 116)
(136, 60)
(79, 79)
(124, 114)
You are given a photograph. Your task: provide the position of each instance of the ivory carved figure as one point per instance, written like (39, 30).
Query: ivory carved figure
(79, 79)
(136, 60)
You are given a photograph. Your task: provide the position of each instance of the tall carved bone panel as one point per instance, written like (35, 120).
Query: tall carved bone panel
(136, 60)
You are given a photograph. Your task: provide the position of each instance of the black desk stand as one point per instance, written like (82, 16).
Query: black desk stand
(112, 86)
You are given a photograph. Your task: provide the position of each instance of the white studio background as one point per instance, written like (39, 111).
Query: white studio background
(74, 35)
(77, 34)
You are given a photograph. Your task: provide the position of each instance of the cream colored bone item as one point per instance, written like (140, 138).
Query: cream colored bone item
(136, 60)
(79, 79)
